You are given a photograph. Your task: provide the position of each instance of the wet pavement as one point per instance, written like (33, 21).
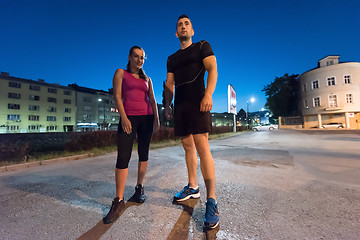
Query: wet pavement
(280, 184)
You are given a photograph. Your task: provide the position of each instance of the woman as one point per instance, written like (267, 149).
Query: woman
(135, 100)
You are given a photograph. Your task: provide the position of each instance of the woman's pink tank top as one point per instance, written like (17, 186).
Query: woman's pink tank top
(135, 94)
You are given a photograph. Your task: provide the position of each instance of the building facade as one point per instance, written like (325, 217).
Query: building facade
(95, 109)
(330, 93)
(28, 106)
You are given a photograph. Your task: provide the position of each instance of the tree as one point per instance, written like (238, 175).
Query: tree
(283, 96)
(242, 115)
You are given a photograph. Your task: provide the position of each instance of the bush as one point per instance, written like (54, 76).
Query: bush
(88, 140)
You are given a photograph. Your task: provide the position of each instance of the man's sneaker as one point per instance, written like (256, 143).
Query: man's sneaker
(115, 210)
(187, 193)
(212, 214)
(139, 195)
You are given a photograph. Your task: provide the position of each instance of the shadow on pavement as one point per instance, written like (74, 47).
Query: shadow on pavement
(182, 228)
(100, 228)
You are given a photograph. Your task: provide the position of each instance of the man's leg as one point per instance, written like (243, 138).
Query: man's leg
(206, 163)
(211, 219)
(191, 159)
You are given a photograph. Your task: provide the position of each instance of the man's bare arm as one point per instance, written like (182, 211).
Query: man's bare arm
(211, 67)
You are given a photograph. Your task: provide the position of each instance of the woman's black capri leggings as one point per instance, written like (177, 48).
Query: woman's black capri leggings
(142, 128)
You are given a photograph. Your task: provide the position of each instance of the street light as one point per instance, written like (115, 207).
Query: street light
(247, 111)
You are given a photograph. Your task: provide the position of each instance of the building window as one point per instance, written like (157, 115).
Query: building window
(34, 127)
(306, 103)
(13, 128)
(67, 119)
(34, 98)
(67, 101)
(50, 99)
(15, 84)
(52, 90)
(316, 102)
(304, 88)
(67, 92)
(14, 95)
(51, 109)
(34, 108)
(333, 101)
(87, 108)
(13, 117)
(328, 63)
(315, 84)
(67, 110)
(51, 128)
(86, 99)
(13, 106)
(50, 118)
(349, 98)
(34, 87)
(34, 118)
(331, 81)
(347, 79)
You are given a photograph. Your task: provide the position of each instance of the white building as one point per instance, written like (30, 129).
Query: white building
(331, 93)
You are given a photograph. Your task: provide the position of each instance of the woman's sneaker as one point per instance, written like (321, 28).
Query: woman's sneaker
(212, 214)
(186, 194)
(115, 210)
(139, 195)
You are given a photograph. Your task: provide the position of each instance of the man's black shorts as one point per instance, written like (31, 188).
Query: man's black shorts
(189, 120)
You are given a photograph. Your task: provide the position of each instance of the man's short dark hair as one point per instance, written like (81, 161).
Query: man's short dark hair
(183, 16)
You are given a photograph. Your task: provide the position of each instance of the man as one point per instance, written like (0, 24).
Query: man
(185, 75)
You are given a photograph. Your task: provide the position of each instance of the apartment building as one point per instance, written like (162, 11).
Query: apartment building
(95, 109)
(28, 106)
(330, 93)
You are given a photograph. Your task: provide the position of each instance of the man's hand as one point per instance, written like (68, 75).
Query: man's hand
(168, 113)
(206, 103)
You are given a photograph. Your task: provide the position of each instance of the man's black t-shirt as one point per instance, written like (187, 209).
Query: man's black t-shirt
(188, 69)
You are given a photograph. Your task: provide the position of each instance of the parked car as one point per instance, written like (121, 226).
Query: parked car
(333, 125)
(264, 126)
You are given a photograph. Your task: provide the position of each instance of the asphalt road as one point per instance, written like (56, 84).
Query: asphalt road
(279, 184)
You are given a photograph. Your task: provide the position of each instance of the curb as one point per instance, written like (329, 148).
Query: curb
(44, 162)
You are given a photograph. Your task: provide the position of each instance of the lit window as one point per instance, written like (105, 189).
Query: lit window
(333, 101)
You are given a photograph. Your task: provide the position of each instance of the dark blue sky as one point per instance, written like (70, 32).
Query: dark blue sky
(84, 42)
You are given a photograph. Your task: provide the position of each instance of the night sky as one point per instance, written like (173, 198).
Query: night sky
(84, 42)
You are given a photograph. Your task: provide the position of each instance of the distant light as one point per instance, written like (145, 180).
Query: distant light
(252, 100)
(100, 100)
(262, 109)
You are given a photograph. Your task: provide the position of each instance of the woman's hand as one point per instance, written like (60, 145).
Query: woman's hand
(126, 125)
(156, 124)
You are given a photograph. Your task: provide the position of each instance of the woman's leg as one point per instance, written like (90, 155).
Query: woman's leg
(142, 166)
(120, 181)
(144, 133)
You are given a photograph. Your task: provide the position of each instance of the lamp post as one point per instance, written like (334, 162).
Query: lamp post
(247, 111)
(100, 100)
